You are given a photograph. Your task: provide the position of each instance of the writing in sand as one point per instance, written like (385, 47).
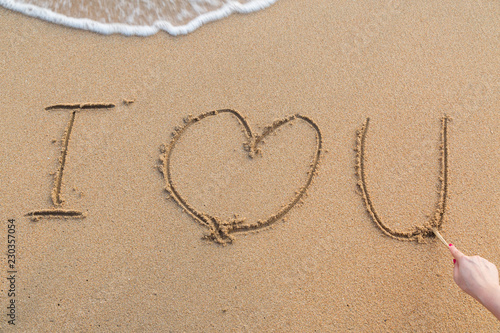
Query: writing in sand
(220, 230)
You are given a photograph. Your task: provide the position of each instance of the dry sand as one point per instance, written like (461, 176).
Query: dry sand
(137, 261)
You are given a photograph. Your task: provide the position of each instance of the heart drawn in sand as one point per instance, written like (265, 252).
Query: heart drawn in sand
(220, 230)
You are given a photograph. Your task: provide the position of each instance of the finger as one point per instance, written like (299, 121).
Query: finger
(456, 252)
(456, 274)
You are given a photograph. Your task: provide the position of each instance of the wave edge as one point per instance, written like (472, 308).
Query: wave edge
(136, 30)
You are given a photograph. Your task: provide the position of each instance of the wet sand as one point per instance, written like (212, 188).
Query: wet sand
(266, 229)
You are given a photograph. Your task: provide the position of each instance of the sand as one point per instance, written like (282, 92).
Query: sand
(138, 259)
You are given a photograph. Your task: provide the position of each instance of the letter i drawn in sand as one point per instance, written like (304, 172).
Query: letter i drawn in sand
(57, 211)
(432, 226)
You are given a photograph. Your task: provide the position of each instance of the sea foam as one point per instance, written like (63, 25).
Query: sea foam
(134, 17)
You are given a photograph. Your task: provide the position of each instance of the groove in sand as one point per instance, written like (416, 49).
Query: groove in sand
(220, 231)
(418, 232)
(56, 211)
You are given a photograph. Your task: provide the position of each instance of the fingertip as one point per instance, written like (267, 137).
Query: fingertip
(455, 252)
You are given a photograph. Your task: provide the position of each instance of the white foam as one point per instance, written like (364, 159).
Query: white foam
(230, 6)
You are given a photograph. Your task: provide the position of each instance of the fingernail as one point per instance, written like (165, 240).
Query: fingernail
(450, 245)
(454, 261)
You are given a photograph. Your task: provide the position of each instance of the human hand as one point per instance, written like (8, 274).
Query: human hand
(477, 277)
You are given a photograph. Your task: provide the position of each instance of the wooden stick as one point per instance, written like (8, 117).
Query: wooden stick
(438, 235)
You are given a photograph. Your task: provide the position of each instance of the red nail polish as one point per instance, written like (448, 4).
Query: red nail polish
(450, 245)
(454, 261)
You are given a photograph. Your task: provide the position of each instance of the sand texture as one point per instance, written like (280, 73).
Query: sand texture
(229, 180)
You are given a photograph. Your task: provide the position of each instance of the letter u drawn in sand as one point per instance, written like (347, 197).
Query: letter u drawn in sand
(221, 231)
(419, 232)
